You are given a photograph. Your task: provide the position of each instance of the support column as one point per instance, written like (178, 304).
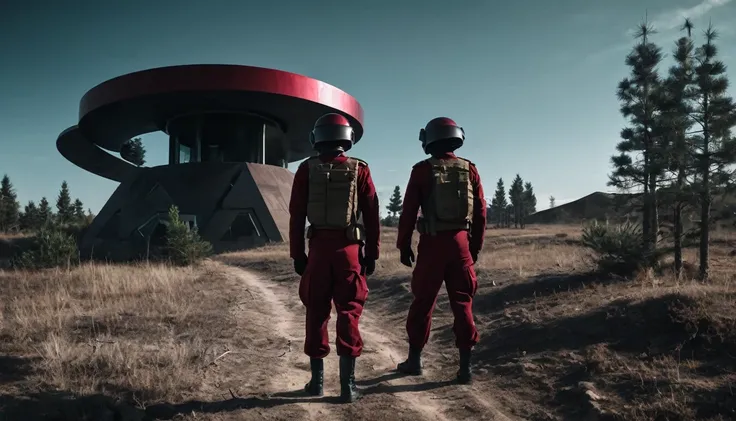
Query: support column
(173, 150)
(196, 152)
(263, 144)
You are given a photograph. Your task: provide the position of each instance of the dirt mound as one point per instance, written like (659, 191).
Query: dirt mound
(618, 206)
(667, 357)
(597, 205)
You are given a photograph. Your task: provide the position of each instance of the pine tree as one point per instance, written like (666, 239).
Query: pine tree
(9, 207)
(499, 203)
(678, 89)
(134, 152)
(639, 162)
(30, 219)
(78, 207)
(45, 214)
(516, 196)
(530, 200)
(395, 203)
(714, 114)
(64, 208)
(551, 202)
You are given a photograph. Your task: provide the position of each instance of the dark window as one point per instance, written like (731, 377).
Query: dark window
(242, 226)
(158, 236)
(184, 154)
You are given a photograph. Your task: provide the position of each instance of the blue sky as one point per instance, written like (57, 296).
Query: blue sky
(532, 81)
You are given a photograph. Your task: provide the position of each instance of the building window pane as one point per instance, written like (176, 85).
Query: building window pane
(184, 154)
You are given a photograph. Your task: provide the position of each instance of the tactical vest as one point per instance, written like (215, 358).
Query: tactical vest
(449, 204)
(333, 194)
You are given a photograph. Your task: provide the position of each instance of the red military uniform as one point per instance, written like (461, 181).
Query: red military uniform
(447, 256)
(451, 227)
(333, 270)
(333, 192)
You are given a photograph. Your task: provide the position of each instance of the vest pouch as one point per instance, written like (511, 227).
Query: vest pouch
(449, 204)
(355, 232)
(332, 201)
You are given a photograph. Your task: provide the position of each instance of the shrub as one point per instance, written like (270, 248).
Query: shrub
(619, 247)
(51, 246)
(183, 244)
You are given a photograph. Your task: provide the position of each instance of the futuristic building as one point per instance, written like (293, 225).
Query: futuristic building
(232, 131)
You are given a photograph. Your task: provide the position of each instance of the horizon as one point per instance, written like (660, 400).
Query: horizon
(552, 91)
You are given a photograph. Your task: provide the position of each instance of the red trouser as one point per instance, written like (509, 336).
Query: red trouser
(445, 256)
(333, 274)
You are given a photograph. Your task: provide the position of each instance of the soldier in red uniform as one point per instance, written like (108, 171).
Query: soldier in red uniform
(333, 192)
(448, 190)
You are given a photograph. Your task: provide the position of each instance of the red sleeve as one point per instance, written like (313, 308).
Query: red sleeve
(298, 211)
(410, 208)
(368, 204)
(478, 226)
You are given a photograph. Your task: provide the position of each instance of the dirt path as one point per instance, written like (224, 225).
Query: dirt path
(271, 308)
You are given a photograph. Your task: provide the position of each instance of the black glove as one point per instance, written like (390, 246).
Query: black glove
(474, 255)
(300, 265)
(407, 256)
(369, 266)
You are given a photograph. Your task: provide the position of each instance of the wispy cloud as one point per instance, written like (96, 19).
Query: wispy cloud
(674, 18)
(665, 23)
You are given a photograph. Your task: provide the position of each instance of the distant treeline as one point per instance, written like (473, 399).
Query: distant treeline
(501, 211)
(35, 216)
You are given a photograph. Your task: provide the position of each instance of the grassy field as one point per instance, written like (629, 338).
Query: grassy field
(558, 341)
(138, 333)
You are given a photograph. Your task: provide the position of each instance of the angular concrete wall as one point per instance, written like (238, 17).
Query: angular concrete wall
(234, 205)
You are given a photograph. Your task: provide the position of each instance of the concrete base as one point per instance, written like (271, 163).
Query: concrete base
(234, 206)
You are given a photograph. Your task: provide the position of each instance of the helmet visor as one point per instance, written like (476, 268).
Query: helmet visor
(441, 133)
(332, 133)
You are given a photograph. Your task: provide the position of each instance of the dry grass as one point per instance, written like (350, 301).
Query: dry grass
(529, 250)
(136, 332)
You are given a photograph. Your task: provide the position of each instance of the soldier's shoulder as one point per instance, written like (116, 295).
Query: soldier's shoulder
(466, 160)
(360, 162)
(308, 162)
(422, 163)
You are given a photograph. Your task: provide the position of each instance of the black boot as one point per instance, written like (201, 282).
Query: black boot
(314, 387)
(413, 364)
(464, 375)
(348, 391)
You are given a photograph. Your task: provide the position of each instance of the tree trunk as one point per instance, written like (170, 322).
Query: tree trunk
(705, 228)
(654, 234)
(705, 196)
(678, 222)
(646, 214)
(522, 217)
(678, 240)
